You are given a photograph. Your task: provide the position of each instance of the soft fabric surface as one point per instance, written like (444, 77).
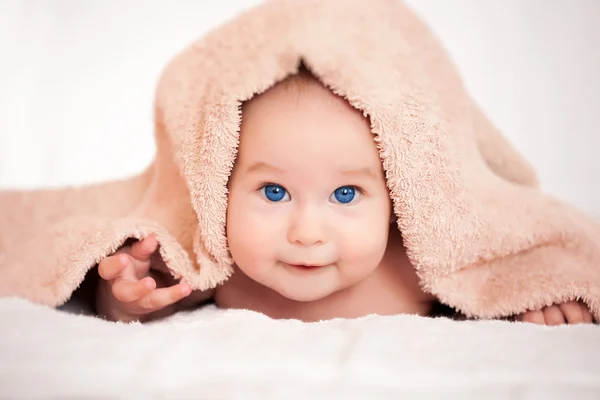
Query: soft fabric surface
(482, 236)
(217, 354)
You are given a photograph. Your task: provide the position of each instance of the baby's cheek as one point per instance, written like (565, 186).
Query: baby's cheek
(251, 246)
(364, 236)
(364, 248)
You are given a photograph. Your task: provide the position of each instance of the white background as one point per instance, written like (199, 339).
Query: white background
(77, 81)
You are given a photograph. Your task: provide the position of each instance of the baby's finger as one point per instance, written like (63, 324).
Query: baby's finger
(164, 297)
(111, 267)
(572, 312)
(534, 317)
(142, 250)
(554, 316)
(588, 318)
(127, 291)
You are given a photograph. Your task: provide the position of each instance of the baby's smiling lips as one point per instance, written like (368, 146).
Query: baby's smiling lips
(305, 267)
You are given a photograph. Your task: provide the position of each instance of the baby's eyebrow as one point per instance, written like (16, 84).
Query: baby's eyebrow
(261, 165)
(365, 171)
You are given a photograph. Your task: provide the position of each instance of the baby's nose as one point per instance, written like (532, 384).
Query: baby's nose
(307, 231)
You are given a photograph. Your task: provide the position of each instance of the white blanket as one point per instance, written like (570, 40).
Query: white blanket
(217, 354)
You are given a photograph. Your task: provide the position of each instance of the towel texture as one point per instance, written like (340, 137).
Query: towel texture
(482, 235)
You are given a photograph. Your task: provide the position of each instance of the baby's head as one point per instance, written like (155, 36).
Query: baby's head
(309, 210)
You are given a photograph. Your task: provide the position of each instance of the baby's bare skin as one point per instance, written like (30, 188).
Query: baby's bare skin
(572, 312)
(135, 286)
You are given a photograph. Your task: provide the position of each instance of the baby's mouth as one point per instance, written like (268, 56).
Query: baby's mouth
(305, 267)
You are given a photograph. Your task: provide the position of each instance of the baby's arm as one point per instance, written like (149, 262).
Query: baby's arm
(135, 285)
(572, 312)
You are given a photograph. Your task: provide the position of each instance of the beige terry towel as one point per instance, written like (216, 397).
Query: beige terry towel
(482, 235)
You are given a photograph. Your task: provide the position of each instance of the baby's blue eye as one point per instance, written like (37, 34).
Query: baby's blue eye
(274, 193)
(344, 194)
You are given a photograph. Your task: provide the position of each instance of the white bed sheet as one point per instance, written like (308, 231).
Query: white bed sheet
(216, 354)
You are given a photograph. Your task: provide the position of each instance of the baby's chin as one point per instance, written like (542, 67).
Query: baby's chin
(304, 294)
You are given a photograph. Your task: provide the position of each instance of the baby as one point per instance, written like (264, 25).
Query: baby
(310, 225)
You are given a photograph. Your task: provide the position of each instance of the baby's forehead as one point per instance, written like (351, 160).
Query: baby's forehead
(299, 121)
(303, 91)
(298, 87)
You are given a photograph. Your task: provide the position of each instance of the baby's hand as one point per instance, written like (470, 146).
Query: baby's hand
(128, 291)
(572, 312)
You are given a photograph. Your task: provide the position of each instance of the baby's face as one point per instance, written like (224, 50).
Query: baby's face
(309, 210)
